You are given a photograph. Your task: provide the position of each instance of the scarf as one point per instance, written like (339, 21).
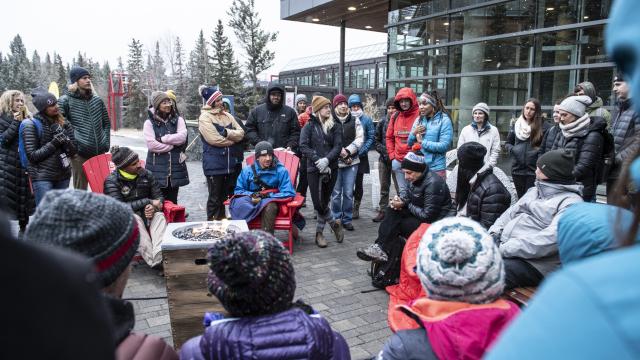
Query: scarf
(578, 128)
(126, 175)
(522, 129)
(357, 114)
(342, 118)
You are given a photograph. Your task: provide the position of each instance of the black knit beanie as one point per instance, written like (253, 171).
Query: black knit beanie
(263, 148)
(42, 99)
(122, 156)
(471, 156)
(557, 165)
(97, 226)
(251, 274)
(413, 162)
(76, 73)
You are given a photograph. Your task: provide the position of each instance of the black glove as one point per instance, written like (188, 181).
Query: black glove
(221, 130)
(59, 139)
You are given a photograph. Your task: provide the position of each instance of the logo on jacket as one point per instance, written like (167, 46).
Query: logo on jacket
(126, 190)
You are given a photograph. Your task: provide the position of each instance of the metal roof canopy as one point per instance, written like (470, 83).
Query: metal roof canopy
(333, 58)
(368, 14)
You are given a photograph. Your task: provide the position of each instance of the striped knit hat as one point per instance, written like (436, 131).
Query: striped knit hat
(458, 261)
(97, 226)
(210, 94)
(251, 274)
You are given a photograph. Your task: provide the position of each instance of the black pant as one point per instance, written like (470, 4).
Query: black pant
(321, 193)
(303, 184)
(523, 183)
(218, 186)
(519, 273)
(396, 223)
(170, 193)
(358, 191)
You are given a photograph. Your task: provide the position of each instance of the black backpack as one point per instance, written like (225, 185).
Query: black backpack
(387, 273)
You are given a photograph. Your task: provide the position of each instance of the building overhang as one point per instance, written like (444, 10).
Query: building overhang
(361, 14)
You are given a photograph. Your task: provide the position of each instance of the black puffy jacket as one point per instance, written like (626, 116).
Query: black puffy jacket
(315, 144)
(277, 124)
(488, 198)
(137, 192)
(381, 138)
(625, 128)
(44, 156)
(549, 139)
(523, 154)
(588, 150)
(428, 198)
(15, 194)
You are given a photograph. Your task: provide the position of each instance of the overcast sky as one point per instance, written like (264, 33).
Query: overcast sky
(104, 29)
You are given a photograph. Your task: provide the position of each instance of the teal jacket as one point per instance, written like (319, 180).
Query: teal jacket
(90, 122)
(275, 177)
(436, 141)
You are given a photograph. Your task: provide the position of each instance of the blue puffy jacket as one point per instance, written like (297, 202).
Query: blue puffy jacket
(436, 141)
(275, 177)
(290, 334)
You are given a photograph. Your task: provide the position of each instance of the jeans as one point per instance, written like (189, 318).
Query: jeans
(519, 273)
(395, 167)
(41, 187)
(342, 196)
(385, 174)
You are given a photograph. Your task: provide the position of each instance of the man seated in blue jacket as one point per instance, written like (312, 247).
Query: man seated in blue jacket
(258, 185)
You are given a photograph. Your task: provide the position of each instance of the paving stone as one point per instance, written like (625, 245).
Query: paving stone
(160, 320)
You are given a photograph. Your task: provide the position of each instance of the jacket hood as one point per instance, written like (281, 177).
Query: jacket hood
(596, 103)
(597, 124)
(123, 317)
(589, 90)
(548, 189)
(274, 86)
(588, 229)
(406, 93)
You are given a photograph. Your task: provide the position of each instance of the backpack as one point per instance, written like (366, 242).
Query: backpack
(24, 161)
(387, 273)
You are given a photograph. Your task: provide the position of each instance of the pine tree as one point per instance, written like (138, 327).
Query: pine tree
(3, 73)
(159, 72)
(18, 67)
(199, 73)
(246, 25)
(48, 69)
(226, 69)
(179, 77)
(60, 74)
(136, 101)
(37, 73)
(80, 60)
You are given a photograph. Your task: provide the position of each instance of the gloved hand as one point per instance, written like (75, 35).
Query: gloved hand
(322, 164)
(221, 130)
(59, 139)
(256, 197)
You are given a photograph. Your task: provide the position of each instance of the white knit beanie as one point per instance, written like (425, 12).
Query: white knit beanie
(576, 105)
(458, 261)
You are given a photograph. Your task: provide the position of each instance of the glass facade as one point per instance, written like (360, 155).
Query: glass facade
(498, 52)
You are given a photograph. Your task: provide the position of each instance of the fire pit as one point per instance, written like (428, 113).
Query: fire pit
(184, 252)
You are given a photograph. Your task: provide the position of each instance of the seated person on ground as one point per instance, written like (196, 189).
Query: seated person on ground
(425, 199)
(134, 185)
(261, 183)
(105, 231)
(479, 194)
(527, 231)
(461, 271)
(253, 277)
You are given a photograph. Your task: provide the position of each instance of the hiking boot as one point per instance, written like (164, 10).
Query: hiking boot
(356, 210)
(336, 227)
(320, 240)
(379, 217)
(372, 253)
(348, 226)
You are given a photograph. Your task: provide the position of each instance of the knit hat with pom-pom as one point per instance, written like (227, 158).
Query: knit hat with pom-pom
(458, 261)
(251, 274)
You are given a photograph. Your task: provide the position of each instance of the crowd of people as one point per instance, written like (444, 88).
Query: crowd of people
(475, 240)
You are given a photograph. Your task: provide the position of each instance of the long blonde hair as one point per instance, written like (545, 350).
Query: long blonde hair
(6, 102)
(326, 124)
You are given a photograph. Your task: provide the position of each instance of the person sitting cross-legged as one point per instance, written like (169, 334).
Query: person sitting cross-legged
(258, 186)
(527, 231)
(134, 185)
(425, 199)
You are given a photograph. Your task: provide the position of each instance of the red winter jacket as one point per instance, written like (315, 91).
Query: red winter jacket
(399, 129)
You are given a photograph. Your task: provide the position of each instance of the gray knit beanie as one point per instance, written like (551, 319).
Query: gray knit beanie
(301, 97)
(576, 105)
(97, 226)
(458, 261)
(482, 107)
(263, 148)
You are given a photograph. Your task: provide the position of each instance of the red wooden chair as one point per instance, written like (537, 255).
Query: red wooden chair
(99, 167)
(287, 206)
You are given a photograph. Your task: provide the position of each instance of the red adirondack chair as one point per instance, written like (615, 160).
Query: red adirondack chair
(288, 206)
(99, 167)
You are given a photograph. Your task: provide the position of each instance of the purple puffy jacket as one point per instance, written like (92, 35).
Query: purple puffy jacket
(290, 334)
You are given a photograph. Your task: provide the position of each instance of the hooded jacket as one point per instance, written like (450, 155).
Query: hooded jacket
(528, 230)
(436, 140)
(588, 159)
(428, 198)
(400, 127)
(15, 194)
(277, 124)
(90, 121)
(449, 330)
(315, 144)
(220, 154)
(489, 136)
(488, 198)
(276, 177)
(291, 334)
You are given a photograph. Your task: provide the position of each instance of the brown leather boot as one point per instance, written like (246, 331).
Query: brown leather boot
(268, 217)
(379, 217)
(320, 240)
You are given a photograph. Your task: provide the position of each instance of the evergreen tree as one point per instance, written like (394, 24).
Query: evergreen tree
(3, 73)
(19, 75)
(136, 103)
(179, 77)
(246, 25)
(199, 73)
(80, 61)
(48, 69)
(60, 74)
(159, 72)
(226, 69)
(37, 73)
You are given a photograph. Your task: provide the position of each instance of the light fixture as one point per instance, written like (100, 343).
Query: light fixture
(446, 24)
(315, 19)
(586, 18)
(368, 27)
(550, 9)
(351, 8)
(407, 17)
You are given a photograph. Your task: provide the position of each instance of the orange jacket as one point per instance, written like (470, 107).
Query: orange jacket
(399, 129)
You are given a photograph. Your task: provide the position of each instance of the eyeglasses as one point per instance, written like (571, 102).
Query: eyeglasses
(166, 101)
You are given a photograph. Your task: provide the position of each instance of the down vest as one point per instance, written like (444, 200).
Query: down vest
(15, 195)
(290, 334)
(428, 198)
(137, 192)
(166, 166)
(90, 122)
(44, 157)
(588, 158)
(488, 198)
